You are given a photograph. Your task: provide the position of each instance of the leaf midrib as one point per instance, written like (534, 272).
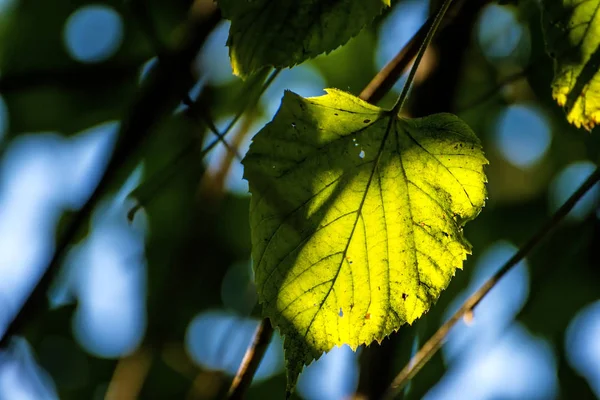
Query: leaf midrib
(392, 118)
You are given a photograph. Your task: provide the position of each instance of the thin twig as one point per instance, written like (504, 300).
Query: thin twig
(431, 30)
(202, 115)
(161, 178)
(387, 77)
(215, 183)
(252, 358)
(129, 376)
(436, 341)
(264, 87)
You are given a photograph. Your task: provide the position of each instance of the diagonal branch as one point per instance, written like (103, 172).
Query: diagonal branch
(252, 358)
(387, 77)
(436, 341)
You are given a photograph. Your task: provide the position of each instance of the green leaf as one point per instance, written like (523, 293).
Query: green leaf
(285, 33)
(572, 31)
(356, 218)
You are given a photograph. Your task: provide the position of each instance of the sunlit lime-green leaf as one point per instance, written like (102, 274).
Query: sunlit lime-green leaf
(572, 29)
(356, 218)
(285, 33)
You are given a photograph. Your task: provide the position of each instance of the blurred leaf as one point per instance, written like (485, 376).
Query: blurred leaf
(283, 34)
(328, 176)
(572, 29)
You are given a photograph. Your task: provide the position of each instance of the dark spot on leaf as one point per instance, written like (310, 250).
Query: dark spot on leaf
(368, 316)
(366, 121)
(404, 296)
(336, 114)
(445, 234)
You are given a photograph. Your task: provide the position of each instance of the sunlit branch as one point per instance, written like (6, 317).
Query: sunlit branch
(252, 358)
(129, 375)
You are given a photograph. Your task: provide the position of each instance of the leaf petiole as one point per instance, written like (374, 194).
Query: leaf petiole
(413, 70)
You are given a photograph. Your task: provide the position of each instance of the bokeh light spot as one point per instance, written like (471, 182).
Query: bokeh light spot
(582, 343)
(517, 365)
(93, 33)
(333, 376)
(21, 378)
(522, 135)
(499, 32)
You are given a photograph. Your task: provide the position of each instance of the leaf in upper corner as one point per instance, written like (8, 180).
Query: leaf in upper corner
(356, 218)
(282, 34)
(572, 32)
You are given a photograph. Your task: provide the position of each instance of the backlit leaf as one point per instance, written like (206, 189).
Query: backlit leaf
(285, 33)
(356, 218)
(572, 31)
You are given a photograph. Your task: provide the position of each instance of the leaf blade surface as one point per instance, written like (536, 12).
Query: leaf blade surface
(282, 34)
(356, 218)
(572, 32)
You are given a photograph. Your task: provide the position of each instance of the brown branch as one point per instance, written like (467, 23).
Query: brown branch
(387, 77)
(251, 361)
(129, 375)
(436, 341)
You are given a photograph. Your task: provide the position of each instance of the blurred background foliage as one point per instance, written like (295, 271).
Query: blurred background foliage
(155, 297)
